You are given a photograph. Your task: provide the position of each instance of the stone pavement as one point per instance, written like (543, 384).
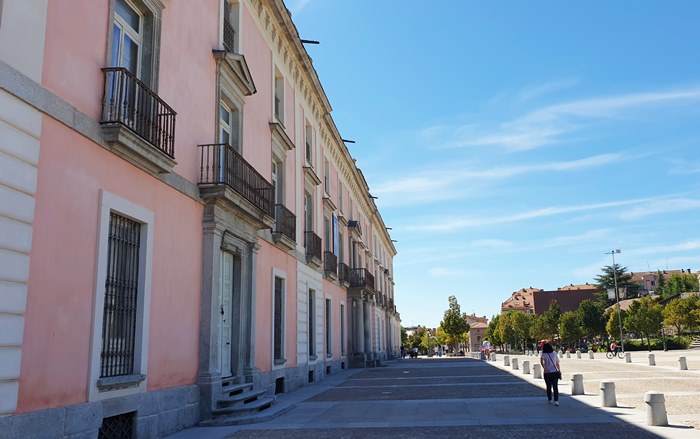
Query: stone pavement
(461, 397)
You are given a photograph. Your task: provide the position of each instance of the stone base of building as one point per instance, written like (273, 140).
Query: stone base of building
(292, 378)
(152, 415)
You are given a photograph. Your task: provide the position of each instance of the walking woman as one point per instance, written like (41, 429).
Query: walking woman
(552, 372)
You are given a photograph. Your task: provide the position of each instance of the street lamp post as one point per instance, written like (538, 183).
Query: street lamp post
(617, 297)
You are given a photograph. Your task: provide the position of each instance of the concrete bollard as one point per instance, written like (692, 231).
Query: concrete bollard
(578, 354)
(515, 364)
(607, 394)
(493, 356)
(590, 355)
(568, 355)
(577, 386)
(537, 371)
(652, 360)
(506, 360)
(526, 367)
(628, 357)
(682, 364)
(656, 408)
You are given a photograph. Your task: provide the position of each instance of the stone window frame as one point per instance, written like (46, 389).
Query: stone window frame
(279, 363)
(101, 388)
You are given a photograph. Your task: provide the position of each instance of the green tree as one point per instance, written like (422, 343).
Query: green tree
(660, 282)
(551, 319)
(504, 329)
(404, 336)
(538, 329)
(679, 283)
(491, 332)
(606, 280)
(591, 315)
(521, 327)
(644, 317)
(570, 328)
(681, 313)
(612, 326)
(453, 323)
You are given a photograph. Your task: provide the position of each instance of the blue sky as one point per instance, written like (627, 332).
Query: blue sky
(511, 144)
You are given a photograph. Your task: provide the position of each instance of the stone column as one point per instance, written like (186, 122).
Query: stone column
(251, 372)
(367, 327)
(209, 376)
(359, 325)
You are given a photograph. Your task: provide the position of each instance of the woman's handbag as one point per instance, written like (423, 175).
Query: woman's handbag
(559, 374)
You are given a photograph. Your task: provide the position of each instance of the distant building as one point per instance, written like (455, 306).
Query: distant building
(536, 301)
(649, 280)
(476, 335)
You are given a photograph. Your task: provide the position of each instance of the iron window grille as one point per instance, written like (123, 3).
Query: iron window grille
(121, 297)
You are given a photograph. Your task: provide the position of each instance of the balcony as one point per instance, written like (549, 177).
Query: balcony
(361, 278)
(330, 265)
(285, 231)
(229, 36)
(225, 174)
(137, 124)
(312, 243)
(344, 274)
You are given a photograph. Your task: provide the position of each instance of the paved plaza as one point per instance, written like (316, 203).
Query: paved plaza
(464, 397)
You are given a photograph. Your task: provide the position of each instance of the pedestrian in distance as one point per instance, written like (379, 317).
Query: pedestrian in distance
(486, 348)
(403, 351)
(552, 372)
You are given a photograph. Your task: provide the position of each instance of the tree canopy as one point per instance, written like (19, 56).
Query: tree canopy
(676, 284)
(645, 317)
(591, 315)
(454, 324)
(606, 280)
(683, 313)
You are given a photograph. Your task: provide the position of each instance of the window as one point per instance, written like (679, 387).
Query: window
(279, 97)
(135, 38)
(308, 151)
(342, 329)
(311, 327)
(341, 247)
(121, 297)
(231, 33)
(119, 358)
(127, 38)
(308, 212)
(329, 338)
(229, 125)
(326, 176)
(327, 241)
(278, 319)
(278, 181)
(340, 196)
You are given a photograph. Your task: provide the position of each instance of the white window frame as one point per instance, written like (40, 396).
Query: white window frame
(113, 203)
(136, 35)
(278, 89)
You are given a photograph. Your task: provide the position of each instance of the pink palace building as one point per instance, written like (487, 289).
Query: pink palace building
(183, 233)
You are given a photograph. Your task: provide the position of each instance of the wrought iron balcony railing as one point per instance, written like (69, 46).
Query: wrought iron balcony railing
(361, 277)
(343, 272)
(222, 165)
(312, 242)
(285, 222)
(330, 262)
(129, 102)
(229, 36)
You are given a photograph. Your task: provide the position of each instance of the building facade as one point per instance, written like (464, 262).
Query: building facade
(536, 301)
(184, 232)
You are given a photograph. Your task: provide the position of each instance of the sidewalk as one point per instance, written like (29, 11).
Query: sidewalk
(460, 397)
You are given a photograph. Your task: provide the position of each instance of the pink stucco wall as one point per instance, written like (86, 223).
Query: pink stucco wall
(55, 355)
(187, 79)
(270, 257)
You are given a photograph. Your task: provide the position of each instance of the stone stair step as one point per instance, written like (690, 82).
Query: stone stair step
(244, 409)
(235, 388)
(247, 397)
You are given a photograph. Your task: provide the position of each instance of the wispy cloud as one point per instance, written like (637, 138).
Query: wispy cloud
(547, 125)
(683, 167)
(439, 184)
(544, 89)
(469, 222)
(661, 206)
(297, 6)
